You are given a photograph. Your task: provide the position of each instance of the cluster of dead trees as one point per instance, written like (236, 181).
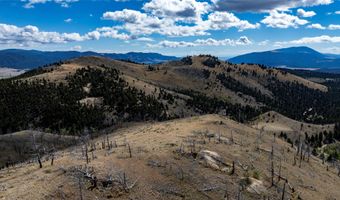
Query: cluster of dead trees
(116, 180)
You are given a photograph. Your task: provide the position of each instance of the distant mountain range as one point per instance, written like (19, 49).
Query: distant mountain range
(28, 59)
(293, 57)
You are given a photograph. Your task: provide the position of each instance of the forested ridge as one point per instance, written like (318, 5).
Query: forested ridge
(61, 106)
(56, 106)
(331, 100)
(293, 99)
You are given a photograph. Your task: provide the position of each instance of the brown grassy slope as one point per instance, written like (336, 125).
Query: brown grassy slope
(177, 75)
(164, 173)
(274, 122)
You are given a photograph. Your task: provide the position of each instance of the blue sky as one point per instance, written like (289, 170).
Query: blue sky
(173, 27)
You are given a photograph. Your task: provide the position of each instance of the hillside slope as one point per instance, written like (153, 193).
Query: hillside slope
(243, 85)
(274, 122)
(293, 57)
(179, 159)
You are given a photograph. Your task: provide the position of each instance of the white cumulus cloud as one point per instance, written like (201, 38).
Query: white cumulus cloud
(277, 19)
(68, 20)
(63, 3)
(311, 40)
(10, 34)
(186, 10)
(265, 5)
(316, 26)
(303, 13)
(243, 40)
(138, 23)
(226, 20)
(334, 27)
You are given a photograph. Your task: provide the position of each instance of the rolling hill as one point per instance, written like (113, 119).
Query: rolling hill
(293, 57)
(192, 86)
(197, 128)
(204, 157)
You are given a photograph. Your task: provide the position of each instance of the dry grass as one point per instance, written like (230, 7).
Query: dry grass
(274, 122)
(165, 173)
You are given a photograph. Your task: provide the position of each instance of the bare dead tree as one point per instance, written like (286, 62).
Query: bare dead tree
(120, 179)
(279, 176)
(301, 153)
(85, 140)
(35, 146)
(86, 153)
(52, 152)
(103, 144)
(299, 146)
(108, 142)
(129, 149)
(272, 166)
(233, 168)
(231, 137)
(219, 137)
(80, 186)
(283, 190)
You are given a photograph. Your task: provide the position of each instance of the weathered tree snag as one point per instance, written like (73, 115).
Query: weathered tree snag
(108, 142)
(80, 188)
(301, 153)
(103, 144)
(283, 191)
(233, 169)
(272, 166)
(52, 158)
(86, 153)
(129, 149)
(272, 173)
(232, 137)
(279, 176)
(36, 151)
(299, 146)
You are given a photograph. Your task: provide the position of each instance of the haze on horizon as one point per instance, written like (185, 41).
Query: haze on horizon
(172, 27)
